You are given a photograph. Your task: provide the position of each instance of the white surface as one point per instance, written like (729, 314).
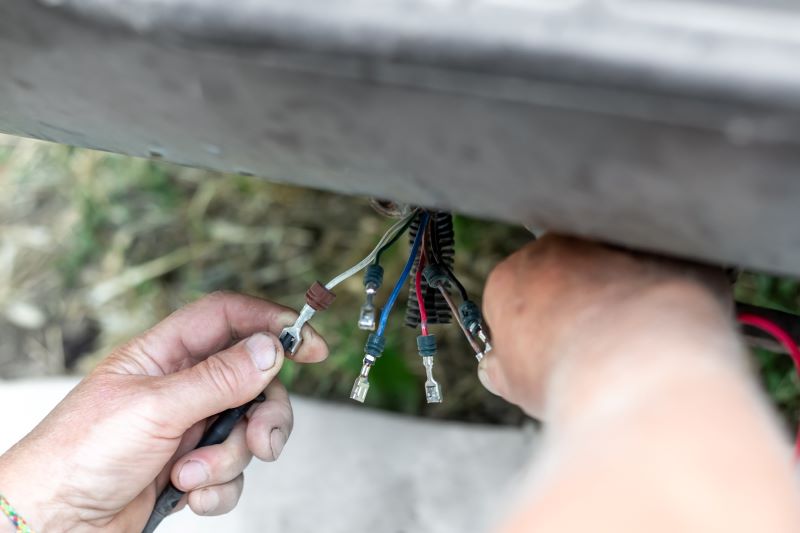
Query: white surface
(346, 469)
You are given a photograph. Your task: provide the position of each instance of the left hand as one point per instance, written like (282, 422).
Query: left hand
(101, 457)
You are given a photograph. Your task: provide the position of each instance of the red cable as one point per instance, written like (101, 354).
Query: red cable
(768, 326)
(423, 314)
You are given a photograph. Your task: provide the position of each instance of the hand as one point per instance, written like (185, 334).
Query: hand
(101, 457)
(559, 299)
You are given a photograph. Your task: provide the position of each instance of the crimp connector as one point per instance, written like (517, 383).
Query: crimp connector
(472, 319)
(361, 385)
(426, 345)
(372, 351)
(373, 278)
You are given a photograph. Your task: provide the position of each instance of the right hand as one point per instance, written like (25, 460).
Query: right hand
(558, 298)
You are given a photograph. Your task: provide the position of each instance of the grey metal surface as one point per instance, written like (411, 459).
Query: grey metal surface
(664, 125)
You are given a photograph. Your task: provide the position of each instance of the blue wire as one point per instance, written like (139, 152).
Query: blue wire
(403, 277)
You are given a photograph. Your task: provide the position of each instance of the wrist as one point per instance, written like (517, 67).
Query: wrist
(667, 332)
(33, 497)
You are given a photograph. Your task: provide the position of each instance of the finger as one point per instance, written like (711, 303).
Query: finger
(270, 423)
(213, 465)
(488, 373)
(224, 380)
(216, 500)
(313, 349)
(209, 325)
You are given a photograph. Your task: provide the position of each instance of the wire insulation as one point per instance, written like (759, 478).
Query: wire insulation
(423, 313)
(437, 258)
(403, 276)
(470, 339)
(392, 234)
(394, 239)
(786, 340)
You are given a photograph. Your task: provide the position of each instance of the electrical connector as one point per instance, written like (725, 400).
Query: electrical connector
(372, 351)
(361, 385)
(426, 345)
(373, 278)
(435, 275)
(473, 322)
(291, 337)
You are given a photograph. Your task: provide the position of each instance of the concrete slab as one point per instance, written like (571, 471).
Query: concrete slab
(347, 469)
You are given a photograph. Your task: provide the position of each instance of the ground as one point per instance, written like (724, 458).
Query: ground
(96, 247)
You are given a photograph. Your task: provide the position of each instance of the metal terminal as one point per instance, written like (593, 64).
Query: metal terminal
(361, 385)
(426, 345)
(484, 337)
(479, 353)
(366, 318)
(433, 391)
(373, 349)
(373, 279)
(291, 336)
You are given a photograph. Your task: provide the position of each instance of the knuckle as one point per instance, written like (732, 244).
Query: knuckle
(277, 413)
(218, 295)
(223, 466)
(282, 410)
(221, 375)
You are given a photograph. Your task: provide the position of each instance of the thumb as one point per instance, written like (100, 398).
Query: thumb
(226, 379)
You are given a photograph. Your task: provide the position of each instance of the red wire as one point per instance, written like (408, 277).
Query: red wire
(786, 341)
(423, 313)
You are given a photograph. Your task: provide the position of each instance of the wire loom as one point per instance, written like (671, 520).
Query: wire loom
(441, 237)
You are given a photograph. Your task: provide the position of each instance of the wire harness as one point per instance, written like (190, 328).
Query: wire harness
(323, 295)
(376, 342)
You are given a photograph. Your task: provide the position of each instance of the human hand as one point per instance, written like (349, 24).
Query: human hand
(563, 302)
(98, 461)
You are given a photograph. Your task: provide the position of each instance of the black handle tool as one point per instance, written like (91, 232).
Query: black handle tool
(215, 434)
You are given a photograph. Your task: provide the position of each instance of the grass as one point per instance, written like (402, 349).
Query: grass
(96, 247)
(125, 241)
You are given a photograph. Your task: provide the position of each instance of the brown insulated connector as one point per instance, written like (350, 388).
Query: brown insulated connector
(318, 297)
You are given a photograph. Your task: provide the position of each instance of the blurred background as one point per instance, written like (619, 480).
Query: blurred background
(96, 247)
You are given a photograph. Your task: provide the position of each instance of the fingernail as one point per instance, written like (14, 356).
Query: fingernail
(277, 440)
(209, 501)
(262, 350)
(192, 474)
(483, 377)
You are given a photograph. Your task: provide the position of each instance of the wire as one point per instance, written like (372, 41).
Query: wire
(423, 313)
(768, 326)
(397, 229)
(470, 339)
(437, 258)
(403, 276)
(394, 239)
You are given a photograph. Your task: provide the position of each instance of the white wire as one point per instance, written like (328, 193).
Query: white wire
(371, 257)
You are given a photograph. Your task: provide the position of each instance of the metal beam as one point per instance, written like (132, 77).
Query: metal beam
(665, 125)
